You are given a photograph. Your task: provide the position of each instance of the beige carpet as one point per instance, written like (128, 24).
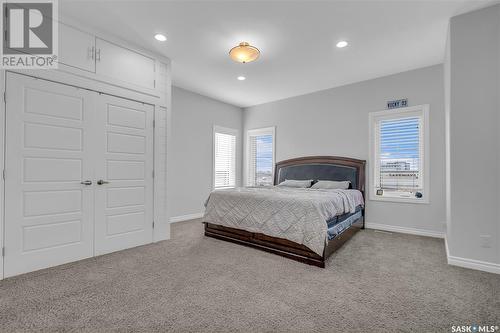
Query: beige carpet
(378, 282)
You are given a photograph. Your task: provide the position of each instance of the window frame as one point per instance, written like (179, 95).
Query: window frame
(255, 132)
(374, 117)
(228, 131)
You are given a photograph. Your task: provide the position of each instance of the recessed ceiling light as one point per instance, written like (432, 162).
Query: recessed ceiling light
(342, 44)
(160, 37)
(241, 78)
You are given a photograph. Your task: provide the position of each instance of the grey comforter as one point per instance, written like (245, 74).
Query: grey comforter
(298, 215)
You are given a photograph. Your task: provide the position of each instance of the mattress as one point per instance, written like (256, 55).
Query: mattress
(340, 223)
(339, 218)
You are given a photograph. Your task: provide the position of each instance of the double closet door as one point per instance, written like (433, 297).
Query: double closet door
(78, 174)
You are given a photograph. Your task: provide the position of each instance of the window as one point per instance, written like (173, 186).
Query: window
(399, 154)
(260, 157)
(224, 157)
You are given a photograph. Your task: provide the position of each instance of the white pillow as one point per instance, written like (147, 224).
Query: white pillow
(296, 183)
(331, 184)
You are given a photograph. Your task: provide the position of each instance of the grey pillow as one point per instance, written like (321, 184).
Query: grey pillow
(296, 183)
(331, 184)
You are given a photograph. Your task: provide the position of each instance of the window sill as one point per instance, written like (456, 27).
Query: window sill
(374, 197)
(224, 187)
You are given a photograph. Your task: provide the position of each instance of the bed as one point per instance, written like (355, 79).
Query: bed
(306, 225)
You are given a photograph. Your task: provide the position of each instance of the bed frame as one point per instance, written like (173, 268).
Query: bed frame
(315, 167)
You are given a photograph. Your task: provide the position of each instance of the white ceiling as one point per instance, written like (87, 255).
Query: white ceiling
(297, 40)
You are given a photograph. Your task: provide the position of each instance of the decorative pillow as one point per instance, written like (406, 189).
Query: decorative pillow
(331, 184)
(296, 183)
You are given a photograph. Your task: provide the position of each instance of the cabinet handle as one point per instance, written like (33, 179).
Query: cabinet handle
(102, 182)
(98, 55)
(92, 52)
(86, 182)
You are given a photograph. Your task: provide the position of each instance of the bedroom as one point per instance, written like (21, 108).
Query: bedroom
(138, 190)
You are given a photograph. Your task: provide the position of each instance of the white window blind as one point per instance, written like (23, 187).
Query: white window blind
(399, 151)
(224, 158)
(260, 157)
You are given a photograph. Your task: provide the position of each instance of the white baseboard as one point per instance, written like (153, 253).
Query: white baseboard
(474, 264)
(404, 230)
(471, 263)
(186, 217)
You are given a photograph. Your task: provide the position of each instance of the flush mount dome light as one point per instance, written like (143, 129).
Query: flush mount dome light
(244, 52)
(241, 78)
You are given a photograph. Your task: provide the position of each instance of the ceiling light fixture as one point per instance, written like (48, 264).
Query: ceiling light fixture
(241, 78)
(342, 44)
(244, 53)
(160, 37)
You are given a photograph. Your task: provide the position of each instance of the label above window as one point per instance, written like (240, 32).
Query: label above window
(398, 103)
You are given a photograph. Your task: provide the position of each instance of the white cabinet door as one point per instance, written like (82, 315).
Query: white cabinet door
(76, 48)
(127, 66)
(48, 212)
(124, 203)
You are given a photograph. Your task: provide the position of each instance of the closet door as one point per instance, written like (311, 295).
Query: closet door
(124, 174)
(48, 211)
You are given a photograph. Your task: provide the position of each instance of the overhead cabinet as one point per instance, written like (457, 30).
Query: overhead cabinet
(77, 48)
(106, 61)
(119, 63)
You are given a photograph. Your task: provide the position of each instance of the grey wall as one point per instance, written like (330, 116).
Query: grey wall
(474, 148)
(335, 122)
(193, 118)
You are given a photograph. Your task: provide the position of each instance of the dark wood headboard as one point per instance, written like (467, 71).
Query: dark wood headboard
(322, 168)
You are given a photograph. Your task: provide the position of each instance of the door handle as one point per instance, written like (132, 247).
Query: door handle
(102, 182)
(86, 182)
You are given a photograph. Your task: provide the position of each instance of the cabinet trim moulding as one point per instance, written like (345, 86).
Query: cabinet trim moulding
(81, 82)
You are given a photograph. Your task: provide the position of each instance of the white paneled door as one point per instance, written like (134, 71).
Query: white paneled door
(48, 212)
(61, 142)
(124, 188)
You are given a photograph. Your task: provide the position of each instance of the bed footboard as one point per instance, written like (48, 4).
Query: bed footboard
(280, 246)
